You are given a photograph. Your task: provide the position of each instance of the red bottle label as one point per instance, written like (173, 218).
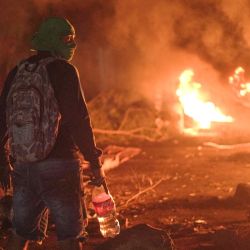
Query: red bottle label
(103, 208)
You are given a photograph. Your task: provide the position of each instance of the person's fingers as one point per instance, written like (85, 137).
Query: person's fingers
(85, 222)
(96, 181)
(5, 183)
(9, 183)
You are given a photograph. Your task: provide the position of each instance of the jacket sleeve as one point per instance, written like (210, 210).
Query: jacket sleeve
(4, 153)
(74, 112)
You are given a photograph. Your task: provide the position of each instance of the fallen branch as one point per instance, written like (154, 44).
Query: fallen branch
(233, 146)
(142, 192)
(125, 132)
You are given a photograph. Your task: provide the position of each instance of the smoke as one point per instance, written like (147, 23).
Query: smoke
(20, 20)
(13, 23)
(137, 44)
(162, 30)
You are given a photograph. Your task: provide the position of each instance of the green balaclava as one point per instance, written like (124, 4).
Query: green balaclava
(57, 36)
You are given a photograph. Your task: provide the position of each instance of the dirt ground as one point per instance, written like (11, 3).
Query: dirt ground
(183, 187)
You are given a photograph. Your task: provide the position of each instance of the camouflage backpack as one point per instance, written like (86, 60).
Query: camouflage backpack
(32, 113)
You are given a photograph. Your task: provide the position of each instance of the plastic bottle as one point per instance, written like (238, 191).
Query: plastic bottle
(106, 212)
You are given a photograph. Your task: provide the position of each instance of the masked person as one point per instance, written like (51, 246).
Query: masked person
(53, 182)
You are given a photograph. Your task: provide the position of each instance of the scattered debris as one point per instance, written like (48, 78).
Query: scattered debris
(232, 146)
(113, 155)
(242, 193)
(128, 116)
(129, 133)
(142, 192)
(200, 222)
(141, 236)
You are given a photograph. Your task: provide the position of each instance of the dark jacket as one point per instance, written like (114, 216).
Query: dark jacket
(75, 136)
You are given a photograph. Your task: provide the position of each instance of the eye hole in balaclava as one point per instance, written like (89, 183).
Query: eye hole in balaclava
(68, 39)
(56, 35)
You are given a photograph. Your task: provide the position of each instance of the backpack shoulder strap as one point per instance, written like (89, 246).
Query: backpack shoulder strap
(21, 65)
(45, 61)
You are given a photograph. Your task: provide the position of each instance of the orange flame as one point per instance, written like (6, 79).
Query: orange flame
(194, 104)
(238, 82)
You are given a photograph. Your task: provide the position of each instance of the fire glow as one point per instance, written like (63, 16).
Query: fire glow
(194, 104)
(238, 82)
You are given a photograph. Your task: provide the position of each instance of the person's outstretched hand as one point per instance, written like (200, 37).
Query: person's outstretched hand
(5, 177)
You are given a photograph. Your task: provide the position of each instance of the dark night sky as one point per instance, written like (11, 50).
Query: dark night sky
(136, 43)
